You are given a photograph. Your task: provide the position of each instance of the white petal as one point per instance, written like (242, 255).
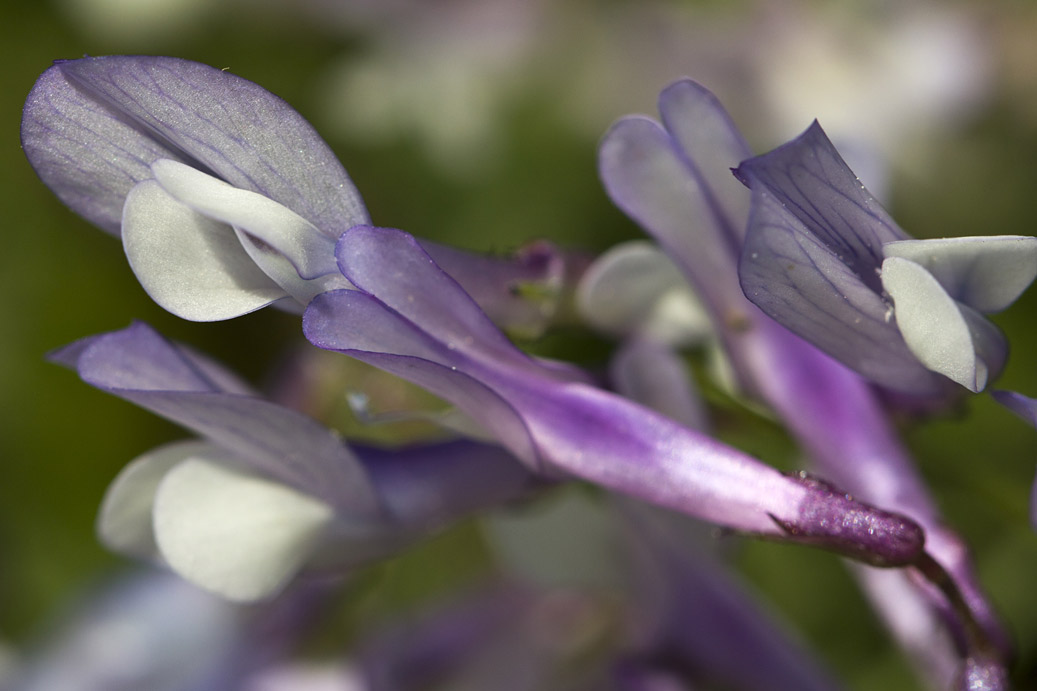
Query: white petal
(986, 273)
(636, 288)
(238, 535)
(189, 264)
(311, 252)
(931, 323)
(124, 522)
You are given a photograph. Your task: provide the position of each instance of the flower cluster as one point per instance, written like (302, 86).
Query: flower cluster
(809, 297)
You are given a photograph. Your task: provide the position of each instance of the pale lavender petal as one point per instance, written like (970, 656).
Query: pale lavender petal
(84, 152)
(138, 365)
(1023, 406)
(712, 144)
(92, 125)
(1026, 408)
(811, 183)
(654, 183)
(800, 281)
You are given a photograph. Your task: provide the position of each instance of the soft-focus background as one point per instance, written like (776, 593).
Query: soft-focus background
(475, 122)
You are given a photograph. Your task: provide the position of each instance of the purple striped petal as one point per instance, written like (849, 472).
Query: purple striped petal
(795, 277)
(92, 127)
(812, 183)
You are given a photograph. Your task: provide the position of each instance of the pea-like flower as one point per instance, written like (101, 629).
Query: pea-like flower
(266, 492)
(824, 258)
(410, 318)
(226, 198)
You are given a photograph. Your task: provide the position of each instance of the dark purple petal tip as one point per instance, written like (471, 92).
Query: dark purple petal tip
(834, 520)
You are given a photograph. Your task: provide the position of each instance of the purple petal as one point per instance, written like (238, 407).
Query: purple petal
(812, 184)
(390, 265)
(140, 366)
(703, 613)
(712, 144)
(362, 327)
(520, 294)
(431, 484)
(92, 127)
(648, 177)
(799, 280)
(581, 431)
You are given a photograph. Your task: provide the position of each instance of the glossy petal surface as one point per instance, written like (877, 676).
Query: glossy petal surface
(92, 128)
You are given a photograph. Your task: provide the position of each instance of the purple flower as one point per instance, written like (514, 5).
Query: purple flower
(410, 318)
(675, 180)
(266, 491)
(225, 198)
(824, 258)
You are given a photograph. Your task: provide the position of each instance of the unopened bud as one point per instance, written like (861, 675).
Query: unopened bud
(835, 521)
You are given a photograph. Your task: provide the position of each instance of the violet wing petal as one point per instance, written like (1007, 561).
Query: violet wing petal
(390, 265)
(799, 280)
(140, 366)
(809, 179)
(145, 108)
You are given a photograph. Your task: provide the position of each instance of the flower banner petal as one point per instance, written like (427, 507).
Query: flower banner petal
(211, 119)
(812, 183)
(797, 279)
(711, 143)
(653, 183)
(84, 152)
